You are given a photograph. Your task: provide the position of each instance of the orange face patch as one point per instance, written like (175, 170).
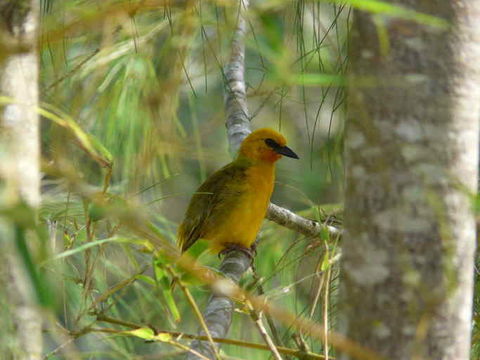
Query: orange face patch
(270, 155)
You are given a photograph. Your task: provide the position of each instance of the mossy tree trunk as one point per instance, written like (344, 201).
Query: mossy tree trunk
(411, 161)
(411, 152)
(19, 171)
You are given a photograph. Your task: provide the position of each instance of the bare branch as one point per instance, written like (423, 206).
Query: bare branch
(301, 354)
(298, 223)
(238, 121)
(218, 314)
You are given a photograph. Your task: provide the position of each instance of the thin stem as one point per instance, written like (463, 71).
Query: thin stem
(196, 310)
(219, 311)
(283, 350)
(325, 312)
(270, 322)
(257, 319)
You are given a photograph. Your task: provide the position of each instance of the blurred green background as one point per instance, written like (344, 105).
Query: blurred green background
(140, 85)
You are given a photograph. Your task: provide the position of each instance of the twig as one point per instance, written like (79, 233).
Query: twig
(196, 310)
(270, 322)
(218, 314)
(60, 347)
(69, 73)
(104, 318)
(284, 350)
(188, 349)
(257, 318)
(325, 313)
(170, 341)
(115, 288)
(298, 223)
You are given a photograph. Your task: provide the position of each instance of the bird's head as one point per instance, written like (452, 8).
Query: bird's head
(265, 145)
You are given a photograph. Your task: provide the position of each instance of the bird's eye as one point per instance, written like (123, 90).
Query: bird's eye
(272, 143)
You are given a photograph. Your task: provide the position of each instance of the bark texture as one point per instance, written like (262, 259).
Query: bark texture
(411, 161)
(219, 311)
(19, 169)
(218, 314)
(236, 108)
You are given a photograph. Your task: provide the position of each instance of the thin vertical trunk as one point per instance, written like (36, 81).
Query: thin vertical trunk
(19, 169)
(411, 160)
(219, 310)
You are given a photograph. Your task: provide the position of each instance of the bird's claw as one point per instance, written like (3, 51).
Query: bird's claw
(229, 247)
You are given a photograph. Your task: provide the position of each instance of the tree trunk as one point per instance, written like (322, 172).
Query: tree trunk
(19, 170)
(411, 166)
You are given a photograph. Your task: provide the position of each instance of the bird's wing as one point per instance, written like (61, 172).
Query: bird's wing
(213, 200)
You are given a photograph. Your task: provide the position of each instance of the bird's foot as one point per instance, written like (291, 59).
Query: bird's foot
(229, 247)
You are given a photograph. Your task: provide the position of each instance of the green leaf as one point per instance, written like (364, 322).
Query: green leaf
(148, 334)
(382, 7)
(93, 244)
(198, 248)
(325, 262)
(163, 337)
(87, 142)
(171, 303)
(143, 333)
(164, 282)
(318, 80)
(39, 282)
(324, 233)
(146, 279)
(96, 212)
(273, 31)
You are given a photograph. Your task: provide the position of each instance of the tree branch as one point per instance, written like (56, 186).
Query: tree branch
(238, 120)
(218, 314)
(300, 354)
(298, 223)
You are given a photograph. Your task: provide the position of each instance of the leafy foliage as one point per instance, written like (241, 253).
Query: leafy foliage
(133, 122)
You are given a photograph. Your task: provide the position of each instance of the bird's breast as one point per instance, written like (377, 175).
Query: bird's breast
(244, 220)
(260, 181)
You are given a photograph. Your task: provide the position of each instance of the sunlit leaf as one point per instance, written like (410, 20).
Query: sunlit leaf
(143, 333)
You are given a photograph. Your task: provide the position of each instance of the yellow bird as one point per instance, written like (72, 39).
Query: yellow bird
(227, 210)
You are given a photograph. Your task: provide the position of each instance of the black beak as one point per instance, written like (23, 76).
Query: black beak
(285, 151)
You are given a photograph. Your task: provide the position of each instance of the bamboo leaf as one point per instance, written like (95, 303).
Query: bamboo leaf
(382, 7)
(164, 283)
(143, 333)
(93, 244)
(38, 280)
(87, 142)
(148, 334)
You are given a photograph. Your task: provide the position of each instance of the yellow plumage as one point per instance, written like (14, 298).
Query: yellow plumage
(229, 207)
